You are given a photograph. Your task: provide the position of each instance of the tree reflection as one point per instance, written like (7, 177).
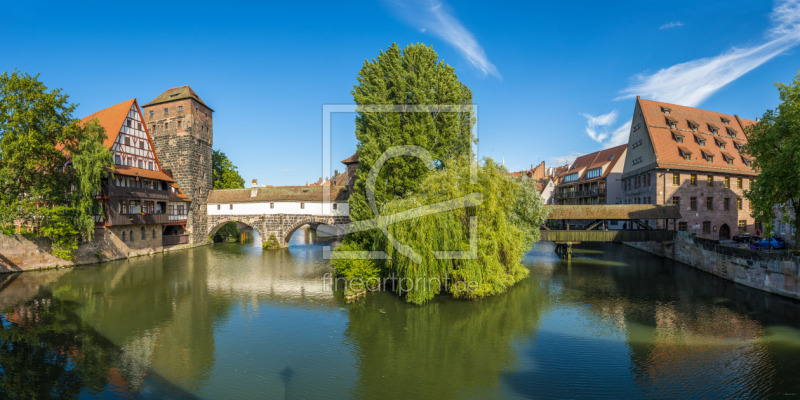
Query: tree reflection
(445, 346)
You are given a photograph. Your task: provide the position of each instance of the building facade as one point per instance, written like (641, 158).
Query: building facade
(182, 128)
(137, 195)
(594, 178)
(691, 158)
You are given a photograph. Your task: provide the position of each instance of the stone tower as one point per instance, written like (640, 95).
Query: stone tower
(182, 131)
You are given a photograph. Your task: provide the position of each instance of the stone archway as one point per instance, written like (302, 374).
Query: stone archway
(724, 232)
(219, 224)
(297, 225)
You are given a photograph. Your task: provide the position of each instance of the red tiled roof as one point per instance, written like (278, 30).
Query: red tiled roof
(278, 193)
(111, 119)
(666, 149)
(178, 195)
(142, 173)
(608, 158)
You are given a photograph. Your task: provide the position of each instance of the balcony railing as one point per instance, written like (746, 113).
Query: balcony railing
(139, 219)
(171, 240)
(139, 193)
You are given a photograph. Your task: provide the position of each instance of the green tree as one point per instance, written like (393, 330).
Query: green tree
(774, 146)
(402, 78)
(225, 174)
(51, 166)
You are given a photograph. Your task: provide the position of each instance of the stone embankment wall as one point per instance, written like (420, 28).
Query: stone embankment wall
(21, 253)
(774, 272)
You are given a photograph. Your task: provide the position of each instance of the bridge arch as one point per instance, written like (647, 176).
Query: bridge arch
(312, 222)
(219, 223)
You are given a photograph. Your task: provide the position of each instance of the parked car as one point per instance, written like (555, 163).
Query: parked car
(744, 237)
(771, 243)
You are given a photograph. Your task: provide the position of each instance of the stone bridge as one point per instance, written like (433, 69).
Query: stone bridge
(277, 212)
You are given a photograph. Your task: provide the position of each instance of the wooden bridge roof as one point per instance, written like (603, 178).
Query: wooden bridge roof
(276, 193)
(614, 211)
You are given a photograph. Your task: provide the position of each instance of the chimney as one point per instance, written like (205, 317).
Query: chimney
(254, 184)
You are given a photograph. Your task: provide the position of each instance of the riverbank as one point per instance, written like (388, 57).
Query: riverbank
(777, 273)
(19, 253)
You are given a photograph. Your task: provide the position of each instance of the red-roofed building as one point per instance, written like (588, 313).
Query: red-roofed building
(141, 200)
(690, 157)
(594, 178)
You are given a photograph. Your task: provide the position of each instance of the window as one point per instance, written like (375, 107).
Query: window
(123, 236)
(127, 141)
(728, 160)
(706, 226)
(594, 173)
(130, 234)
(141, 144)
(683, 226)
(334, 206)
(709, 157)
(739, 203)
(140, 164)
(666, 110)
(154, 128)
(726, 204)
(180, 108)
(166, 125)
(693, 203)
(672, 122)
(571, 177)
(693, 125)
(759, 227)
(151, 113)
(737, 145)
(676, 201)
(709, 203)
(742, 225)
(150, 166)
(700, 140)
(218, 206)
(727, 182)
(713, 128)
(720, 143)
(745, 161)
(710, 180)
(117, 159)
(130, 162)
(738, 183)
(230, 206)
(636, 144)
(166, 111)
(637, 160)
(685, 154)
(725, 120)
(144, 235)
(783, 229)
(139, 125)
(677, 137)
(271, 205)
(694, 180)
(676, 178)
(302, 205)
(179, 124)
(731, 132)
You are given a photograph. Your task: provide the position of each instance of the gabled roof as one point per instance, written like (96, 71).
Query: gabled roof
(666, 149)
(177, 93)
(111, 119)
(607, 158)
(142, 173)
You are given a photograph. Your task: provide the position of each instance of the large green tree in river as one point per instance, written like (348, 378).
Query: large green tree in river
(51, 165)
(507, 219)
(774, 145)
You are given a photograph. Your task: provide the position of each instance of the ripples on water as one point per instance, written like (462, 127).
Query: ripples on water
(231, 321)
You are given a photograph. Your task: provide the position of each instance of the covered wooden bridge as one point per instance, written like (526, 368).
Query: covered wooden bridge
(572, 224)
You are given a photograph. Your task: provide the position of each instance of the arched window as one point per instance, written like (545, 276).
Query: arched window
(123, 236)
(131, 234)
(144, 236)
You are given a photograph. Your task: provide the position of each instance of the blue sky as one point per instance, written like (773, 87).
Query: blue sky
(551, 80)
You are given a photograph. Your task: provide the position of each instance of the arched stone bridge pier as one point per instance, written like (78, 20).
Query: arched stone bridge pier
(277, 212)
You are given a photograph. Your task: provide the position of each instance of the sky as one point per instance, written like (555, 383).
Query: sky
(551, 80)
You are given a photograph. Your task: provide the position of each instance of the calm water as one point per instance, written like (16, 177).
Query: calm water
(231, 321)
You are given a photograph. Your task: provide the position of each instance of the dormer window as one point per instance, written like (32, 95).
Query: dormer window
(685, 154)
(720, 143)
(672, 122)
(700, 140)
(678, 137)
(708, 157)
(731, 132)
(594, 173)
(728, 159)
(745, 161)
(666, 110)
(713, 128)
(725, 120)
(737, 145)
(693, 125)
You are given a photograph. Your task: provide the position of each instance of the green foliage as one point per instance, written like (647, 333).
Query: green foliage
(229, 233)
(364, 272)
(271, 243)
(51, 166)
(774, 145)
(225, 174)
(413, 76)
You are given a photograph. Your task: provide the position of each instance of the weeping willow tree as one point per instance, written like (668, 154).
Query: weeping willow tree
(468, 252)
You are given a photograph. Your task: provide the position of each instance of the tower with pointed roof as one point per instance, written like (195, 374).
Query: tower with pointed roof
(182, 129)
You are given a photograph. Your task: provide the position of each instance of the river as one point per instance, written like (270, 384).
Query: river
(231, 321)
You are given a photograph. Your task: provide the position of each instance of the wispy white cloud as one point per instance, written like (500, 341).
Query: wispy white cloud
(692, 82)
(673, 24)
(596, 125)
(435, 17)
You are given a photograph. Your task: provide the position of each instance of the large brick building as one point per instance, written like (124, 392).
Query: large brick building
(690, 157)
(593, 178)
(182, 129)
